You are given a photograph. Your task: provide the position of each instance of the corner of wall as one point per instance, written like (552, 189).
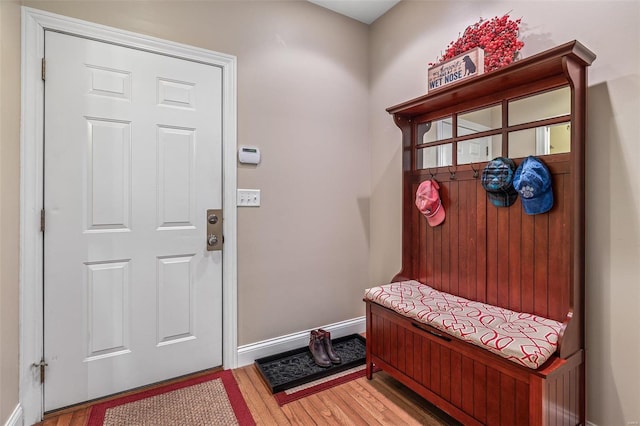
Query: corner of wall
(247, 354)
(10, 28)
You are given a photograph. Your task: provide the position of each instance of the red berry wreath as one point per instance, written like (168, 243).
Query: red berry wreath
(498, 37)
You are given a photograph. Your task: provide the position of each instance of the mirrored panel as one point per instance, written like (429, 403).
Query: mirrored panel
(480, 120)
(479, 149)
(435, 130)
(434, 156)
(539, 107)
(543, 140)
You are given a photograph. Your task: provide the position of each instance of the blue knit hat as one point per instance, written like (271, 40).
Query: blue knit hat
(497, 180)
(533, 181)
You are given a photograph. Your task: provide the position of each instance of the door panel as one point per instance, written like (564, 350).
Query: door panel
(132, 163)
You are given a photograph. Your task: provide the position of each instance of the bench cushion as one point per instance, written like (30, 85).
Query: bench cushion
(523, 338)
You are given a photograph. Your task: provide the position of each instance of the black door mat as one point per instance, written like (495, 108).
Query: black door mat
(296, 367)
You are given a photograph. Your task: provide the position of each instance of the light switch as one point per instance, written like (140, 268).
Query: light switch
(248, 198)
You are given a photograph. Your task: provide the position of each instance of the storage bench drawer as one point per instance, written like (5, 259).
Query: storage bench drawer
(470, 383)
(490, 394)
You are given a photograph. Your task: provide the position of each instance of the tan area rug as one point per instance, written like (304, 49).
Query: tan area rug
(213, 399)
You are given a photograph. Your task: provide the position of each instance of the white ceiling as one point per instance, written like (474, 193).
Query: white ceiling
(365, 11)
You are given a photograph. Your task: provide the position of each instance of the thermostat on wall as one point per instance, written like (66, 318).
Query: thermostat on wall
(249, 155)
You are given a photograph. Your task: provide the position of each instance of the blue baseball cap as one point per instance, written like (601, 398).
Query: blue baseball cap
(497, 180)
(533, 182)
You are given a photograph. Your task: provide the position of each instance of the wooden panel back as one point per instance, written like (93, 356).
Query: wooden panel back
(497, 255)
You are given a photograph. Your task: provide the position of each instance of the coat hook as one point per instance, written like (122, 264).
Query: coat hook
(433, 176)
(452, 174)
(475, 172)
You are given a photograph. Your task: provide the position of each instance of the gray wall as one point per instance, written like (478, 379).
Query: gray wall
(9, 204)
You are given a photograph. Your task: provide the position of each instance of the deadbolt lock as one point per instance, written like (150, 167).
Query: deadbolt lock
(214, 230)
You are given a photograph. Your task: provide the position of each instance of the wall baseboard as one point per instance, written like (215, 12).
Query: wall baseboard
(247, 354)
(15, 419)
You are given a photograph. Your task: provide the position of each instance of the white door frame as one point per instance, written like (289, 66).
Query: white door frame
(34, 23)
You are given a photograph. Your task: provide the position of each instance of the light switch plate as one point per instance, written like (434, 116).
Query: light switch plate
(248, 198)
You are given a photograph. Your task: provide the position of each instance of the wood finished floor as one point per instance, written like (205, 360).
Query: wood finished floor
(381, 401)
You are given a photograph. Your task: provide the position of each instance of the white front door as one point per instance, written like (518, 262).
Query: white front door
(132, 162)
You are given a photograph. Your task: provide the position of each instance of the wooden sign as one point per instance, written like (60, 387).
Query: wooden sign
(461, 67)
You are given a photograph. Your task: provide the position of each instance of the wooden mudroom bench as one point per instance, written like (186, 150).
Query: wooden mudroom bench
(499, 260)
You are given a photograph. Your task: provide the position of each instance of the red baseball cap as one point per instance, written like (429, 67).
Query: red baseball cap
(429, 203)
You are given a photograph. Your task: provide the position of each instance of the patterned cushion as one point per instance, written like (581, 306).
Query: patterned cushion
(525, 339)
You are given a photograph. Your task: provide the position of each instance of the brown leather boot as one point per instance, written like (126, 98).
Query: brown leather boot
(318, 351)
(328, 347)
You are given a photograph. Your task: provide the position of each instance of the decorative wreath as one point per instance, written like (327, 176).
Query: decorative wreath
(498, 37)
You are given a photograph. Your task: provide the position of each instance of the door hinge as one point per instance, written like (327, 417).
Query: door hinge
(42, 220)
(41, 365)
(44, 69)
